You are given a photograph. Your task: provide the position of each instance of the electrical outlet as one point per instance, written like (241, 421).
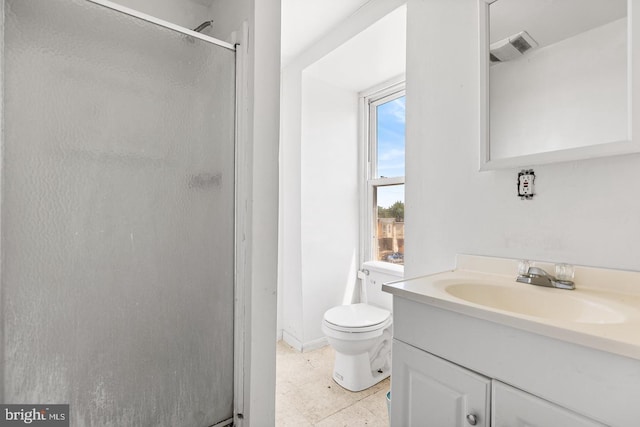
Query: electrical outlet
(526, 179)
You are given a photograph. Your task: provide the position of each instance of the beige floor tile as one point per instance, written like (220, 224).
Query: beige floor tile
(321, 398)
(377, 403)
(306, 395)
(354, 416)
(288, 413)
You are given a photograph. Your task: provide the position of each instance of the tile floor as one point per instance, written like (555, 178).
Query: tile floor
(306, 395)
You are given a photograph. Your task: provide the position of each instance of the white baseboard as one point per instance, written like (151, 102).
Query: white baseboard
(315, 344)
(291, 340)
(303, 347)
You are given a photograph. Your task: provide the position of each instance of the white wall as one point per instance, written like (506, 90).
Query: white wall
(229, 16)
(327, 186)
(329, 202)
(289, 238)
(186, 13)
(585, 212)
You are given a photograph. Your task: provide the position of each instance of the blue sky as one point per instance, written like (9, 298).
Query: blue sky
(391, 130)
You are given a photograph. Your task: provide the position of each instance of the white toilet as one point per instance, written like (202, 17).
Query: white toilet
(361, 335)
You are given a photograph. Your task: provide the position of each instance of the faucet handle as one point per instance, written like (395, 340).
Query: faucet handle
(565, 272)
(523, 267)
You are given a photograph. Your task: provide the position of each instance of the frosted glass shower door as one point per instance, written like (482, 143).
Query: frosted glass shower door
(117, 217)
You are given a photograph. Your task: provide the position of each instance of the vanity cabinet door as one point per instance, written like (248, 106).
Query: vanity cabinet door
(515, 408)
(427, 391)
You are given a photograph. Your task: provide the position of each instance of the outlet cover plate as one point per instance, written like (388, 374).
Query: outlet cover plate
(526, 179)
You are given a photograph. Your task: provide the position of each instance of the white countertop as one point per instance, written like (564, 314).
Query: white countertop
(616, 292)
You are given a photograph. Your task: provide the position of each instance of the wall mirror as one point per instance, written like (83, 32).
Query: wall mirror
(555, 81)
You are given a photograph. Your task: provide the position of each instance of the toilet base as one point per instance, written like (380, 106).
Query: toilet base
(358, 372)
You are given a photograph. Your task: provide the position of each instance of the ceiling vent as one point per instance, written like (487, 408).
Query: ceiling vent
(512, 47)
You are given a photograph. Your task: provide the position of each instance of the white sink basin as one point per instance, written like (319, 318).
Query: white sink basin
(548, 303)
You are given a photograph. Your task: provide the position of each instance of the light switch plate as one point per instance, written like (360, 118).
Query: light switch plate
(526, 179)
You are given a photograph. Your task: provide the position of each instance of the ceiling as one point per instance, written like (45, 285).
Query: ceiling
(306, 21)
(374, 56)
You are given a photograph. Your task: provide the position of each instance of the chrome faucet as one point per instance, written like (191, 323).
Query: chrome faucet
(539, 277)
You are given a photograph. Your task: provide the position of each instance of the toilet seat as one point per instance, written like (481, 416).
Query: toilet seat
(357, 318)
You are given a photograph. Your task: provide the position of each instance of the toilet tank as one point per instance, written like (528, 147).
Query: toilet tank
(378, 273)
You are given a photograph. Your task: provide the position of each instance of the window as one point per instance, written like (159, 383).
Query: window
(385, 146)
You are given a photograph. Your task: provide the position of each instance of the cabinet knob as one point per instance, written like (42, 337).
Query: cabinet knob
(472, 419)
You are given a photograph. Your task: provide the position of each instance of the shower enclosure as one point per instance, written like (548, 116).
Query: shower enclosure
(117, 216)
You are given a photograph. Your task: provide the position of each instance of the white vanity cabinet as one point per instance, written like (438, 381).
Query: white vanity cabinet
(511, 407)
(429, 391)
(444, 364)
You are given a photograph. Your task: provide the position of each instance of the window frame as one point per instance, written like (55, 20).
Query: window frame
(369, 101)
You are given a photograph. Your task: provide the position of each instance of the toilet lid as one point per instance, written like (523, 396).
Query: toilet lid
(356, 316)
